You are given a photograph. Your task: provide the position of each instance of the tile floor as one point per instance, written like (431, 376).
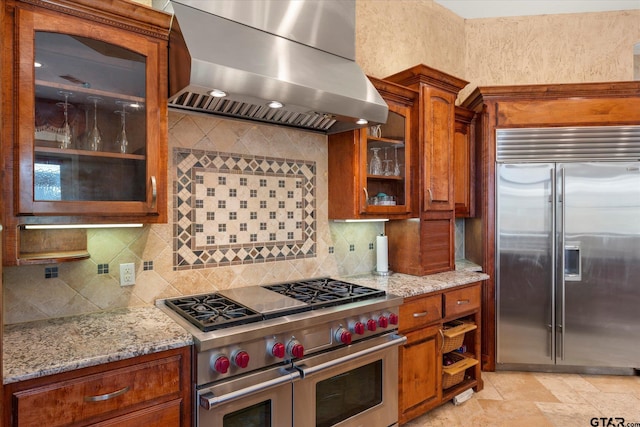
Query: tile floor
(541, 399)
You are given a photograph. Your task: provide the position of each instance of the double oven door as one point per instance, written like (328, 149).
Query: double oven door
(262, 399)
(352, 386)
(355, 385)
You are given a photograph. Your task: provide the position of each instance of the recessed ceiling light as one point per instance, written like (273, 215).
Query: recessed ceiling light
(275, 104)
(217, 93)
(37, 64)
(362, 122)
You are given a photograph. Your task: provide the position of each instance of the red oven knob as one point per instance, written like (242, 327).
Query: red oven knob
(241, 359)
(394, 319)
(371, 325)
(220, 364)
(343, 336)
(277, 350)
(295, 349)
(358, 328)
(383, 322)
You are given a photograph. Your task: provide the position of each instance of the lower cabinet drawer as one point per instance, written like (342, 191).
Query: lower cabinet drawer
(461, 300)
(99, 396)
(164, 415)
(420, 312)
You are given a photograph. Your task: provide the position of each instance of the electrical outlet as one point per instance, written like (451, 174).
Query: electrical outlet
(127, 274)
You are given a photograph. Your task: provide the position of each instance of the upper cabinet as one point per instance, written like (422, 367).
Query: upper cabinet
(464, 162)
(438, 92)
(91, 134)
(370, 168)
(84, 117)
(428, 246)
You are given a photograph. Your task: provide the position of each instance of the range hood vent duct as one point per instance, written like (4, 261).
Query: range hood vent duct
(297, 52)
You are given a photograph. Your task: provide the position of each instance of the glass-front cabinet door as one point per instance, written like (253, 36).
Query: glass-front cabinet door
(89, 134)
(370, 169)
(385, 179)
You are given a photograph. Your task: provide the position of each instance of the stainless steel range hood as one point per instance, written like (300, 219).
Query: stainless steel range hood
(297, 52)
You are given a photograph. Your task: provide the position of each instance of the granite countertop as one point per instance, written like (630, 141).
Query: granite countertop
(46, 347)
(405, 285)
(52, 346)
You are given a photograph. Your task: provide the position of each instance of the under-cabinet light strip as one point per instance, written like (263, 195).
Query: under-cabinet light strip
(362, 220)
(67, 226)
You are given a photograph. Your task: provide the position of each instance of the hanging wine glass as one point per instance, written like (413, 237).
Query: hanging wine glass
(121, 141)
(387, 164)
(375, 168)
(95, 137)
(396, 169)
(65, 135)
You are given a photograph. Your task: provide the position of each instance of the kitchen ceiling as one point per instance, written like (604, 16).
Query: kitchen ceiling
(470, 9)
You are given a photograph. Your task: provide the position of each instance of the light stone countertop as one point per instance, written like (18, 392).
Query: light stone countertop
(405, 285)
(46, 347)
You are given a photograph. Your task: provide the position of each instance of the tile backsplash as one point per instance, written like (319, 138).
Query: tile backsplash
(326, 248)
(232, 209)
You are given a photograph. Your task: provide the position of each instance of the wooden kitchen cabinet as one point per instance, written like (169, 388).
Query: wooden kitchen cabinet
(431, 248)
(464, 164)
(438, 92)
(423, 320)
(354, 184)
(150, 390)
(79, 66)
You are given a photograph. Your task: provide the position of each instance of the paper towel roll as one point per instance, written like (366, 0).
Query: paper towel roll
(382, 254)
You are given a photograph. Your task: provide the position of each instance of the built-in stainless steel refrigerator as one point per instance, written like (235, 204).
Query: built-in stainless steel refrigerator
(568, 249)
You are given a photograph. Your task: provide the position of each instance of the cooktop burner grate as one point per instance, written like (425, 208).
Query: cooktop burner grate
(212, 311)
(320, 293)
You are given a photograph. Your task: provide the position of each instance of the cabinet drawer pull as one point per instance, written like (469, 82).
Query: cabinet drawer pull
(154, 192)
(463, 301)
(107, 396)
(421, 314)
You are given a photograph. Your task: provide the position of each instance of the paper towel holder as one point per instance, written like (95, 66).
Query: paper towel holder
(382, 273)
(382, 256)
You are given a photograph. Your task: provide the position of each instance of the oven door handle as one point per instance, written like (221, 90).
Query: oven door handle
(396, 341)
(208, 400)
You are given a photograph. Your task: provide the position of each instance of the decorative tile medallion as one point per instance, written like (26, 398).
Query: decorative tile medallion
(239, 209)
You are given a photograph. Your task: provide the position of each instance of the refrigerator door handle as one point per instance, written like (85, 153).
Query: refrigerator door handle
(552, 334)
(563, 210)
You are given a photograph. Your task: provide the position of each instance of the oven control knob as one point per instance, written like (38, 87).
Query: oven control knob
(295, 349)
(241, 359)
(220, 364)
(277, 350)
(343, 336)
(357, 328)
(393, 318)
(383, 322)
(371, 325)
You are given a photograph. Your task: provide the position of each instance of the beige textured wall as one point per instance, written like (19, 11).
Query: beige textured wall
(568, 48)
(394, 35)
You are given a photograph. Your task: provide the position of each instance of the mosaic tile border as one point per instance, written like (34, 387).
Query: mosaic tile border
(202, 216)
